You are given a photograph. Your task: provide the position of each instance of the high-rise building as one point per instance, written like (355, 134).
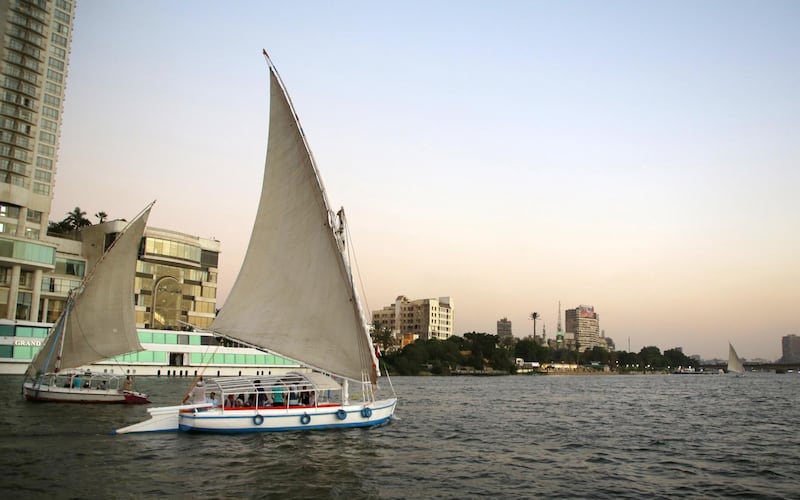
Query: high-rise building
(504, 328)
(790, 345)
(423, 318)
(36, 38)
(584, 323)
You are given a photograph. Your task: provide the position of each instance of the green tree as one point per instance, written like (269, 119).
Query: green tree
(102, 216)
(77, 219)
(651, 357)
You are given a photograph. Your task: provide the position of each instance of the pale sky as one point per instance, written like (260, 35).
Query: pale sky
(641, 157)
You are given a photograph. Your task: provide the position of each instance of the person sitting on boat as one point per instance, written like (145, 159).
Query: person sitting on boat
(262, 399)
(230, 401)
(277, 396)
(305, 396)
(102, 385)
(77, 382)
(212, 398)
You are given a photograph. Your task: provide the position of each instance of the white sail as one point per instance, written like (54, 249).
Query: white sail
(734, 363)
(294, 294)
(100, 319)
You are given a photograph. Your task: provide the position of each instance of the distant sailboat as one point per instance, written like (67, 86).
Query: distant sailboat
(734, 363)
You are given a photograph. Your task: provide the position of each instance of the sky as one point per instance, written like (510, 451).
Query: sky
(639, 157)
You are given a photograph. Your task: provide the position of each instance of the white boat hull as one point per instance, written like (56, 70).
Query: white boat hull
(194, 418)
(41, 392)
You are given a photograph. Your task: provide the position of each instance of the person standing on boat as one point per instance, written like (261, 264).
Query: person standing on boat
(128, 384)
(198, 393)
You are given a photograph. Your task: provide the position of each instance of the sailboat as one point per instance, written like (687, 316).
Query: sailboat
(734, 363)
(98, 322)
(294, 296)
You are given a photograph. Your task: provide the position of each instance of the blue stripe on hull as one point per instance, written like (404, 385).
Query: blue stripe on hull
(366, 423)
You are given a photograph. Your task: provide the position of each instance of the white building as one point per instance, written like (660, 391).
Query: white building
(423, 318)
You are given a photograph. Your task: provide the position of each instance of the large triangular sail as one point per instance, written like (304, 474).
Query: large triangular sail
(294, 294)
(734, 363)
(99, 321)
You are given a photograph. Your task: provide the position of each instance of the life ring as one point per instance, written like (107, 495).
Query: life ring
(341, 414)
(258, 419)
(305, 418)
(366, 412)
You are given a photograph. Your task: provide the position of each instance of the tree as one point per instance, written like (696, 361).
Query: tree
(77, 219)
(102, 216)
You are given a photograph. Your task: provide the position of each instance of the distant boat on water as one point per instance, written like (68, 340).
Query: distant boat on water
(734, 363)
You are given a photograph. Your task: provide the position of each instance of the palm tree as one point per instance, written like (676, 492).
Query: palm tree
(76, 219)
(102, 216)
(534, 317)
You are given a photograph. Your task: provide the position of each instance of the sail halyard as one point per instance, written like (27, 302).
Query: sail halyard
(293, 292)
(99, 321)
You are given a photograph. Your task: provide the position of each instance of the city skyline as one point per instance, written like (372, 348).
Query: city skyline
(640, 158)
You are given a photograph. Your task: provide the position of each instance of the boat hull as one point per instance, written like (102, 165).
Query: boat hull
(43, 392)
(241, 420)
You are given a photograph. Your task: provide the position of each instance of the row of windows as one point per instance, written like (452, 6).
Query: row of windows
(158, 246)
(20, 86)
(28, 36)
(27, 251)
(13, 179)
(9, 211)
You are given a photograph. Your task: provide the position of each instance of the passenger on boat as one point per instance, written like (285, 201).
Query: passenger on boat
(212, 398)
(305, 396)
(128, 384)
(294, 397)
(239, 401)
(77, 382)
(261, 396)
(197, 394)
(277, 396)
(102, 385)
(230, 401)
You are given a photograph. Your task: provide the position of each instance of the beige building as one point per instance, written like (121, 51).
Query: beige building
(504, 328)
(36, 38)
(423, 318)
(584, 323)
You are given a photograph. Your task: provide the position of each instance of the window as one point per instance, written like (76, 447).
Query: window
(40, 188)
(55, 63)
(47, 137)
(44, 163)
(34, 216)
(43, 176)
(50, 112)
(51, 100)
(59, 40)
(44, 149)
(9, 211)
(53, 88)
(55, 76)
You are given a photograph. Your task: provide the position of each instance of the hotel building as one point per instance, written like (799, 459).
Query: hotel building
(584, 323)
(504, 328)
(420, 319)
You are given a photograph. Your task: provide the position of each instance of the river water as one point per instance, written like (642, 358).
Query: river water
(654, 436)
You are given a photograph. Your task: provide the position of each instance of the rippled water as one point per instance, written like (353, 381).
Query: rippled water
(459, 437)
